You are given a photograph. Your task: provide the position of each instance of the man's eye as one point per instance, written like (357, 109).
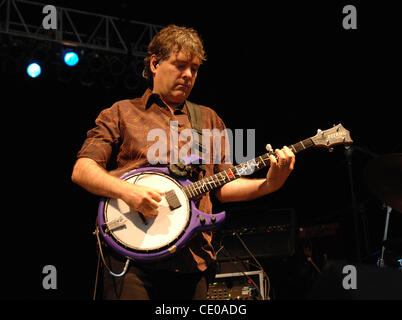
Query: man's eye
(183, 67)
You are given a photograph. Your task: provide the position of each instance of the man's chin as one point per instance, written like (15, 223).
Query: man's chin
(179, 96)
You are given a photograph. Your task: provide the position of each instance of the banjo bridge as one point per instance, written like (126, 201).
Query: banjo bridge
(172, 200)
(116, 223)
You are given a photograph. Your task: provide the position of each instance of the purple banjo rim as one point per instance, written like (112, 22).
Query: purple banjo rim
(193, 225)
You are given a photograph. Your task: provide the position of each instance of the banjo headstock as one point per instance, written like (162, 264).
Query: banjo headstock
(337, 135)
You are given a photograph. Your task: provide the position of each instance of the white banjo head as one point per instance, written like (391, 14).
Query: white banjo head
(156, 233)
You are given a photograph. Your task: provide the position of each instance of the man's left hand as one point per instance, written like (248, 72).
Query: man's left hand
(281, 167)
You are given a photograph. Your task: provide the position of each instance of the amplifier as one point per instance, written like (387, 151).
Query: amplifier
(266, 233)
(247, 285)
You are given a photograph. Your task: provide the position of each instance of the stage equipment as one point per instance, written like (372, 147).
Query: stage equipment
(78, 28)
(98, 33)
(348, 154)
(71, 58)
(267, 233)
(384, 180)
(248, 285)
(34, 70)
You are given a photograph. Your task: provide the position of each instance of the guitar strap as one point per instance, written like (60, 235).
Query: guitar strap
(195, 117)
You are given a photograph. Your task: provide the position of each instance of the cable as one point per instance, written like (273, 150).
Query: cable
(103, 258)
(258, 263)
(235, 259)
(266, 281)
(96, 277)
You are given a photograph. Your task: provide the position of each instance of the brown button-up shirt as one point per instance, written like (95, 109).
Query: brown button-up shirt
(120, 143)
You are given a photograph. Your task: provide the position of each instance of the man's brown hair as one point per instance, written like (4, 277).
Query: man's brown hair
(173, 39)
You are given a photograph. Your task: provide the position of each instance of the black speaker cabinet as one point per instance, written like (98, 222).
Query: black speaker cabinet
(266, 233)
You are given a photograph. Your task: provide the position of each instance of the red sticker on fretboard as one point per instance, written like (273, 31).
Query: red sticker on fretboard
(229, 174)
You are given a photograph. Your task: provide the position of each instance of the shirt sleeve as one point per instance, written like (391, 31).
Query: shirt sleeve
(103, 138)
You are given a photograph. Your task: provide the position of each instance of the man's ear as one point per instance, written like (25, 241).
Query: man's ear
(153, 64)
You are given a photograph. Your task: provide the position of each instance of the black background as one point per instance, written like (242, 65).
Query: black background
(284, 69)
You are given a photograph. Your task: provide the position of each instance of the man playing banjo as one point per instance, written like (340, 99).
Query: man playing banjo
(118, 144)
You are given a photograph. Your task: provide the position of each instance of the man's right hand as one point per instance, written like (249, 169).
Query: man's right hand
(143, 199)
(94, 178)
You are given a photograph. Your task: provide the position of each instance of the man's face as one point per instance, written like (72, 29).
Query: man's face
(174, 78)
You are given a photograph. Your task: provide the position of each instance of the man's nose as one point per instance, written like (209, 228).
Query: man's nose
(188, 73)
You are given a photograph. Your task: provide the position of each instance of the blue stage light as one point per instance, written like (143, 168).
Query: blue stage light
(71, 58)
(34, 70)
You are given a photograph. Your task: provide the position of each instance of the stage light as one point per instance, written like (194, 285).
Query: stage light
(71, 58)
(34, 70)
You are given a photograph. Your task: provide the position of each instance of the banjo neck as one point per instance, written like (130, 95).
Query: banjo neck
(337, 135)
(244, 169)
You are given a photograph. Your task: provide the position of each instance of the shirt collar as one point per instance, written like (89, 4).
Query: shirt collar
(150, 98)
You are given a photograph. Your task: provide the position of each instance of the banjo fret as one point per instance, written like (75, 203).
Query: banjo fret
(219, 179)
(244, 169)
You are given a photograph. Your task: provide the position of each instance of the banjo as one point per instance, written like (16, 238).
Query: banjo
(128, 233)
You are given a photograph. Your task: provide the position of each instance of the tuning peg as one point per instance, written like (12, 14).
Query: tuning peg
(319, 131)
(269, 148)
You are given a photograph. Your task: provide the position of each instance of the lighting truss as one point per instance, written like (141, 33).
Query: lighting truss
(77, 28)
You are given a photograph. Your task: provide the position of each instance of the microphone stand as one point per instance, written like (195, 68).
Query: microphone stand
(380, 262)
(348, 154)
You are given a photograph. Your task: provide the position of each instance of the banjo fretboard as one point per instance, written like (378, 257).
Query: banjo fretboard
(244, 169)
